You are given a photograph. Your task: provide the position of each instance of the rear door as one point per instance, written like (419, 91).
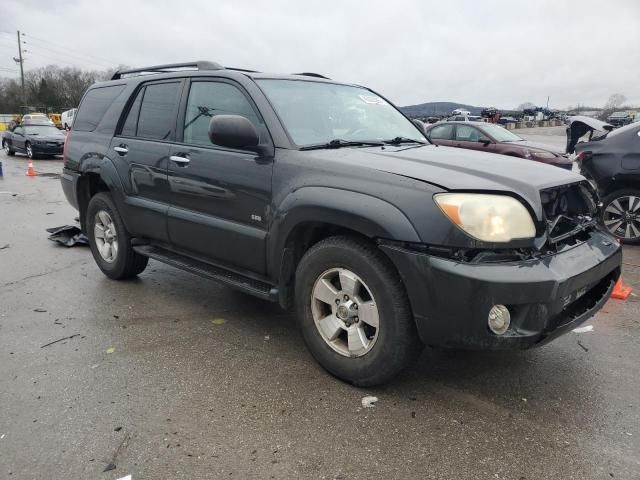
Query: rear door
(219, 196)
(141, 149)
(442, 134)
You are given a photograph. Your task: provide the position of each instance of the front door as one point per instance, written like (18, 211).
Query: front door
(140, 152)
(468, 136)
(219, 196)
(17, 139)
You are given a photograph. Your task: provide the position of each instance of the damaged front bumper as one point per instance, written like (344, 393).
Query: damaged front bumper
(546, 296)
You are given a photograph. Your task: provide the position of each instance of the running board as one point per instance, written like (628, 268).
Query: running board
(221, 275)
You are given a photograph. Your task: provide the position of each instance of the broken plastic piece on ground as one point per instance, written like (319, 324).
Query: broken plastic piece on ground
(6, 245)
(110, 350)
(218, 321)
(111, 466)
(588, 328)
(128, 477)
(68, 235)
(368, 402)
(620, 290)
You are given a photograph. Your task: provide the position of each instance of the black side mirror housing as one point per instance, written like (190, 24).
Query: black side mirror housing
(235, 131)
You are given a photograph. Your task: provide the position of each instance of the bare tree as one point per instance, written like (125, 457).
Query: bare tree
(615, 101)
(525, 106)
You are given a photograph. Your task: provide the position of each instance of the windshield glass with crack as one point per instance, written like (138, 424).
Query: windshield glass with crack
(317, 113)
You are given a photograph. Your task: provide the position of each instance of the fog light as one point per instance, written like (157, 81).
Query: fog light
(499, 319)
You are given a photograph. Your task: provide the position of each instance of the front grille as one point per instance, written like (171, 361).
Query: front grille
(570, 212)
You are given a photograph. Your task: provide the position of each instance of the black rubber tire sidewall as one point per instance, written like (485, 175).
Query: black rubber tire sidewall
(397, 343)
(610, 198)
(128, 263)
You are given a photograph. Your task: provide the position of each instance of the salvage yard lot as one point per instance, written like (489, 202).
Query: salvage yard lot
(171, 376)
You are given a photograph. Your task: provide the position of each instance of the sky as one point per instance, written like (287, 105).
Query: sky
(485, 53)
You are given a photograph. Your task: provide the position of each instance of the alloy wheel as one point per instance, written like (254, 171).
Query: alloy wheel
(6, 148)
(29, 151)
(106, 236)
(345, 312)
(622, 217)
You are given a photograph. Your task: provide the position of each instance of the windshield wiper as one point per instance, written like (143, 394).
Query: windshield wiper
(400, 140)
(339, 143)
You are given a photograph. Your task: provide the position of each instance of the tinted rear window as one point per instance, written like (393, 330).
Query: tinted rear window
(94, 105)
(157, 118)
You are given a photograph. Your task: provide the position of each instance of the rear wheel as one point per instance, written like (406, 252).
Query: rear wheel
(109, 240)
(7, 149)
(621, 215)
(353, 311)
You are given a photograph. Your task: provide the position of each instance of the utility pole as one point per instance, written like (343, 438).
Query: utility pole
(548, 102)
(21, 61)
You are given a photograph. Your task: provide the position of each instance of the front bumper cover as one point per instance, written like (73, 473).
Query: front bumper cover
(546, 297)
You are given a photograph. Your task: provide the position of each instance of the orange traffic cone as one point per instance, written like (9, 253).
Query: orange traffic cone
(31, 172)
(620, 290)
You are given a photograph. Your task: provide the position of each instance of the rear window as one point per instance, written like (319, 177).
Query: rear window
(94, 105)
(157, 117)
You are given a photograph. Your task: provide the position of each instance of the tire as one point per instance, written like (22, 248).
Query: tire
(7, 149)
(29, 151)
(119, 262)
(390, 347)
(620, 215)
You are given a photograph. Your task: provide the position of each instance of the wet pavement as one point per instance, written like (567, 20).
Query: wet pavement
(173, 377)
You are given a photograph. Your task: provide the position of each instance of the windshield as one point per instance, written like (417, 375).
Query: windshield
(41, 130)
(500, 134)
(316, 113)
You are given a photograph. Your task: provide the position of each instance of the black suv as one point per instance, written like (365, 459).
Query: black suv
(305, 191)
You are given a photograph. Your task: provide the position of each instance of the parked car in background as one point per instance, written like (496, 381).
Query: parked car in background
(619, 119)
(34, 140)
(36, 119)
(305, 191)
(488, 137)
(612, 163)
(67, 118)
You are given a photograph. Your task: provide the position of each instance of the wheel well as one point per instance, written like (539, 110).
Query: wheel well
(300, 239)
(88, 185)
(619, 185)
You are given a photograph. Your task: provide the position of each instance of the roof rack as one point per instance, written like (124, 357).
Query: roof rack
(170, 67)
(311, 74)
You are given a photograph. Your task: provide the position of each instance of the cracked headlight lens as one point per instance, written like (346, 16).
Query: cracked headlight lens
(487, 217)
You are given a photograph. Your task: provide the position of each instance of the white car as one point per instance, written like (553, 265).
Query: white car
(67, 118)
(37, 118)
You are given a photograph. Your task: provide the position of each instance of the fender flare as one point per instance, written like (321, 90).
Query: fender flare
(368, 215)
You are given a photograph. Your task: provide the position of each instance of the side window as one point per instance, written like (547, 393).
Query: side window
(441, 132)
(131, 123)
(94, 105)
(466, 133)
(157, 117)
(207, 99)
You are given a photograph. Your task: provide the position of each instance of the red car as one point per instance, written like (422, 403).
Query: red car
(488, 137)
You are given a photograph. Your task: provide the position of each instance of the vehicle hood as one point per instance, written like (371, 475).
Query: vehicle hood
(538, 146)
(47, 138)
(459, 169)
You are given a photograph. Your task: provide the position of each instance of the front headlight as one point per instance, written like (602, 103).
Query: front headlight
(490, 218)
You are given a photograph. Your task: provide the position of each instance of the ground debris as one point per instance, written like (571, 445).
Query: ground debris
(369, 402)
(6, 245)
(588, 328)
(582, 346)
(39, 310)
(61, 339)
(111, 466)
(68, 235)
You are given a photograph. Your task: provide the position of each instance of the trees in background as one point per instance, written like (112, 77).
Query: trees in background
(54, 87)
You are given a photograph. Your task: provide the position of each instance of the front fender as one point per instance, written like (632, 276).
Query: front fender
(370, 216)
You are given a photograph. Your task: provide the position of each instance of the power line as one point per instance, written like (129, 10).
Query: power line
(70, 55)
(65, 49)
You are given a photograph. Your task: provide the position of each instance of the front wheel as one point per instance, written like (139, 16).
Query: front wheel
(353, 311)
(29, 150)
(109, 240)
(7, 149)
(621, 215)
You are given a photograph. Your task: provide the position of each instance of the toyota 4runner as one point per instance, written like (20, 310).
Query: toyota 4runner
(314, 193)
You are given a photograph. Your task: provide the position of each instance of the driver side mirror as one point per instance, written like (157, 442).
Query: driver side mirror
(485, 140)
(236, 131)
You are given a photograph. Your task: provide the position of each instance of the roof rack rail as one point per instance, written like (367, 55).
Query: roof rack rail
(170, 67)
(311, 74)
(245, 70)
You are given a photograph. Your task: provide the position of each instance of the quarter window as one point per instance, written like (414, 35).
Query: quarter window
(207, 99)
(94, 106)
(157, 112)
(441, 132)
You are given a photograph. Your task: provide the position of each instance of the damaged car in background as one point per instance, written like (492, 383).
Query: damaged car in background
(610, 159)
(315, 193)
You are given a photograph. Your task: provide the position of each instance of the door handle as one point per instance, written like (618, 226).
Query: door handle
(121, 149)
(181, 160)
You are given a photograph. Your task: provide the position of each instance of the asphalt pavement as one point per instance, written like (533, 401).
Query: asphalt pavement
(170, 376)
